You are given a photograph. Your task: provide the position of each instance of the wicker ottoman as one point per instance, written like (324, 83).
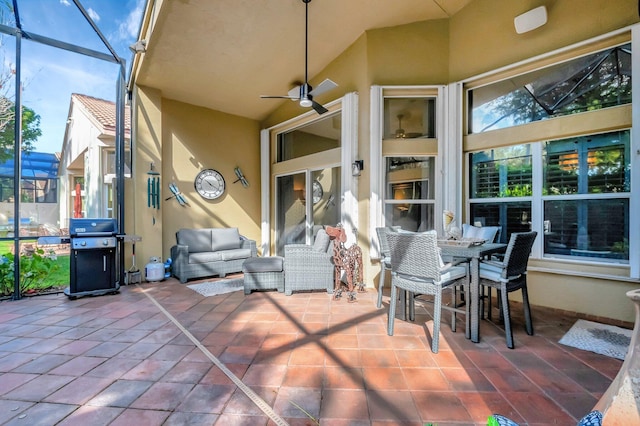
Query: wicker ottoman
(263, 273)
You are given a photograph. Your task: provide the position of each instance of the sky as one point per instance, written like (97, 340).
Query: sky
(50, 75)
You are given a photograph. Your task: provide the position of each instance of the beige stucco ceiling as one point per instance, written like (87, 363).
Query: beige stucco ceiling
(224, 54)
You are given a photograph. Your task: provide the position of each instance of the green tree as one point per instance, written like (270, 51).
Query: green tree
(30, 132)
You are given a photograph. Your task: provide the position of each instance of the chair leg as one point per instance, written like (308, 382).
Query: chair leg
(437, 311)
(453, 305)
(392, 309)
(463, 298)
(504, 301)
(489, 302)
(527, 311)
(412, 305)
(383, 273)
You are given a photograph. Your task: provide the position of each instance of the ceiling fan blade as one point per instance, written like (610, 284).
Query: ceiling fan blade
(280, 97)
(319, 108)
(325, 86)
(303, 92)
(295, 92)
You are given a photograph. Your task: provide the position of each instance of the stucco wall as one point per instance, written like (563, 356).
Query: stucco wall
(483, 36)
(478, 39)
(194, 139)
(181, 140)
(140, 219)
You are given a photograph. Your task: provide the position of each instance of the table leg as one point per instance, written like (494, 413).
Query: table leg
(475, 290)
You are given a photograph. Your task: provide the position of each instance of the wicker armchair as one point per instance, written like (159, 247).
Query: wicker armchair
(416, 268)
(507, 276)
(385, 258)
(309, 267)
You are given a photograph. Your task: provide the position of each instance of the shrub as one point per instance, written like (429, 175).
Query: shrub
(34, 268)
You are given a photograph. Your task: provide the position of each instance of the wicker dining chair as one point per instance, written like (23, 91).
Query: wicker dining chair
(507, 276)
(416, 268)
(385, 258)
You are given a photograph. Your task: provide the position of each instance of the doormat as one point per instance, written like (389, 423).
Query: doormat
(214, 288)
(602, 339)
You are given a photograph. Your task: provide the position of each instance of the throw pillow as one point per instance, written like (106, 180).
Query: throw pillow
(487, 233)
(321, 243)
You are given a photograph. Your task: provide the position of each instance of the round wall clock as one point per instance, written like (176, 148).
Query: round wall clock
(210, 184)
(318, 192)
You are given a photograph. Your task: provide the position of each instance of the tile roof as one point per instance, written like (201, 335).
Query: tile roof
(105, 112)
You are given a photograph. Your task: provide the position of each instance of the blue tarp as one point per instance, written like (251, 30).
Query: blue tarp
(35, 165)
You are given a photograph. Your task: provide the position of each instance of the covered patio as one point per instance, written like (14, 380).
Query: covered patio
(159, 353)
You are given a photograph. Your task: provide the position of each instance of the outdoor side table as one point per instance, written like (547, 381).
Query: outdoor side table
(263, 273)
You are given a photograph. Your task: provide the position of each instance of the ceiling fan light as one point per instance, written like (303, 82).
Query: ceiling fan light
(306, 103)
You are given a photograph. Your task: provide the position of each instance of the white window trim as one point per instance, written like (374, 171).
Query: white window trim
(348, 106)
(376, 159)
(634, 203)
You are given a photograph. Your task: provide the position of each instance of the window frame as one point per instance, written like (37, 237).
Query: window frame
(585, 123)
(381, 148)
(341, 157)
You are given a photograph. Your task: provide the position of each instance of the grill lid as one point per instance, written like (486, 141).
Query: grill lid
(92, 227)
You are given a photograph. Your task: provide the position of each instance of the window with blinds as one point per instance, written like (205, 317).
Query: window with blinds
(581, 216)
(501, 172)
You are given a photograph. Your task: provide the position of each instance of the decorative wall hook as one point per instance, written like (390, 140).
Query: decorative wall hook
(241, 177)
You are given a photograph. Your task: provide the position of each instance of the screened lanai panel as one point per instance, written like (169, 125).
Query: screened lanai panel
(58, 20)
(599, 80)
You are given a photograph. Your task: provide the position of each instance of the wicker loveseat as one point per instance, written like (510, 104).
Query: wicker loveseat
(209, 251)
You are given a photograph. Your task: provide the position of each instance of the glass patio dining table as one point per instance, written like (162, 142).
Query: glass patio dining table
(473, 254)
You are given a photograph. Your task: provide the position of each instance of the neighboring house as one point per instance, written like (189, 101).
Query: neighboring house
(39, 202)
(448, 105)
(87, 162)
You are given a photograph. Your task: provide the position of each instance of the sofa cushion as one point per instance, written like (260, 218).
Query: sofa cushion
(321, 243)
(205, 257)
(198, 240)
(235, 254)
(224, 239)
(263, 264)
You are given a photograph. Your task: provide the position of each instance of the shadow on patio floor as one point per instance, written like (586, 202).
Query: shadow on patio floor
(160, 353)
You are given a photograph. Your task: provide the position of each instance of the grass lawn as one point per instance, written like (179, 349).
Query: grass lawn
(61, 276)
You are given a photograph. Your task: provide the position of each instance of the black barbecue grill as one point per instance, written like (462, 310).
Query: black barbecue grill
(93, 257)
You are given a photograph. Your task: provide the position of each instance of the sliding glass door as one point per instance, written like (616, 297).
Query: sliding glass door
(305, 202)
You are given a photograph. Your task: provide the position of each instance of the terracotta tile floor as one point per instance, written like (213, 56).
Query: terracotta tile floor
(121, 360)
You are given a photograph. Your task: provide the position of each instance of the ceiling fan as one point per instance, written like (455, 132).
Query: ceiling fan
(304, 93)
